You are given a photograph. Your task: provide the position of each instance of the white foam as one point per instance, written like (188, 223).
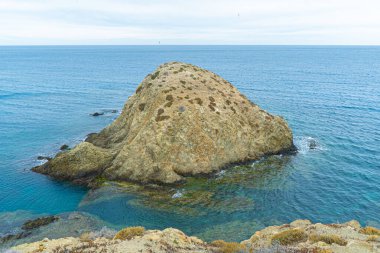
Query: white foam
(178, 194)
(221, 173)
(304, 143)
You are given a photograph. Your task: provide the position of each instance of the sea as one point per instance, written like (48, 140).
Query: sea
(329, 95)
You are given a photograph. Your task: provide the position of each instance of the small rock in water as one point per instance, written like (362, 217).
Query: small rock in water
(114, 111)
(312, 143)
(90, 137)
(40, 157)
(64, 147)
(14, 237)
(96, 114)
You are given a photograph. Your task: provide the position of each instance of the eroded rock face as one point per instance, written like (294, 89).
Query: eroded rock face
(182, 120)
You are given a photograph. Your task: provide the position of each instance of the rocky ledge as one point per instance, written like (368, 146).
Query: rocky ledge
(182, 121)
(300, 236)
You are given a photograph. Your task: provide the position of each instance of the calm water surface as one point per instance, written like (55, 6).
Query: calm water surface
(330, 94)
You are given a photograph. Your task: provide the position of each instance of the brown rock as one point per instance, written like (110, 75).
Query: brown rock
(183, 120)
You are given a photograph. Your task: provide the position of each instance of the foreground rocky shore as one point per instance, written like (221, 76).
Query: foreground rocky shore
(300, 236)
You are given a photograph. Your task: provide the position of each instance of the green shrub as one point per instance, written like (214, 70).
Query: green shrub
(228, 247)
(329, 239)
(370, 231)
(373, 238)
(129, 233)
(290, 236)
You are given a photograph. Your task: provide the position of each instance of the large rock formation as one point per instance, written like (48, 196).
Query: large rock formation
(182, 120)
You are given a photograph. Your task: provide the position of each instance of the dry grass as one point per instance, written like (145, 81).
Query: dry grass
(228, 247)
(291, 249)
(289, 237)
(129, 233)
(370, 231)
(373, 238)
(329, 239)
(324, 251)
(85, 237)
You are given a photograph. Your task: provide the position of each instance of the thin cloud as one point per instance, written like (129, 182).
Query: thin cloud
(189, 22)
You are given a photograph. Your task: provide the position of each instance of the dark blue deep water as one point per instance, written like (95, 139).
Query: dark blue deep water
(328, 94)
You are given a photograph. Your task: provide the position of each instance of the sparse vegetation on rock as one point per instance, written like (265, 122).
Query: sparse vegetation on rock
(129, 233)
(228, 247)
(300, 236)
(329, 239)
(161, 137)
(370, 231)
(290, 236)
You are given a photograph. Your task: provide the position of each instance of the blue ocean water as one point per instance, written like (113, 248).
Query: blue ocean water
(329, 94)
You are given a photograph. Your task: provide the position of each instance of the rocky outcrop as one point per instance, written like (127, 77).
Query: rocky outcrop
(303, 236)
(297, 237)
(182, 121)
(168, 240)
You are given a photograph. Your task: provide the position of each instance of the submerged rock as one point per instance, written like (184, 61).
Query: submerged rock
(27, 228)
(65, 224)
(182, 121)
(40, 157)
(11, 237)
(312, 143)
(43, 221)
(64, 147)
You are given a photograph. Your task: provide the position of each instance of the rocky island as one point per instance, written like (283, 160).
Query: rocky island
(182, 121)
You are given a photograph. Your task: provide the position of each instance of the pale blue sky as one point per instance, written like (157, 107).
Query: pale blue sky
(130, 22)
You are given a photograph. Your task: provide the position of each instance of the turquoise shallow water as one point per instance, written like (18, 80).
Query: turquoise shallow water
(330, 94)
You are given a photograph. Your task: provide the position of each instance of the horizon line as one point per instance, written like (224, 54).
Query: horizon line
(163, 45)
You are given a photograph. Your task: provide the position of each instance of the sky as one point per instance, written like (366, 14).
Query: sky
(190, 22)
